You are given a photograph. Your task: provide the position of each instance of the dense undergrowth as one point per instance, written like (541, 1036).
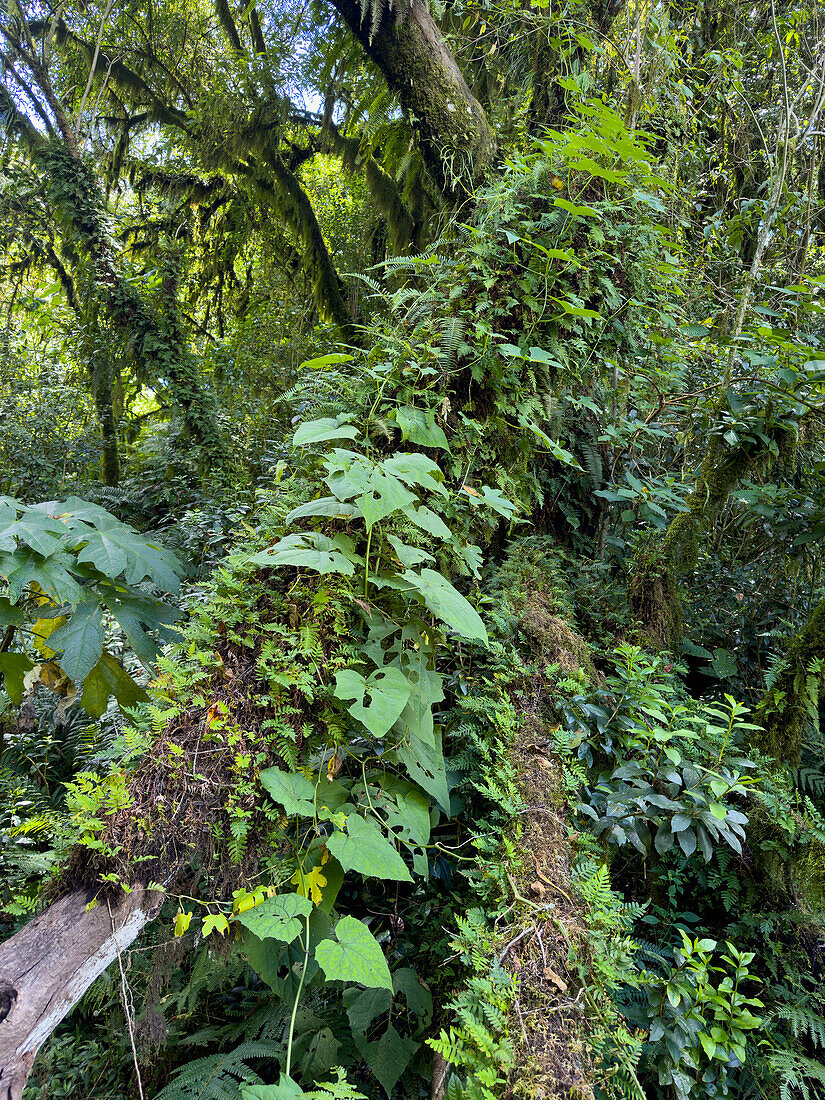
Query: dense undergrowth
(426, 807)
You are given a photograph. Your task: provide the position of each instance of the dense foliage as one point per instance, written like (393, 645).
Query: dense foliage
(411, 574)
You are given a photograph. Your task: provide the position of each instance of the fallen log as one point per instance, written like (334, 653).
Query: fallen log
(50, 963)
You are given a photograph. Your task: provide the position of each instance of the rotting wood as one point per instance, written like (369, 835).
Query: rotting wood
(50, 963)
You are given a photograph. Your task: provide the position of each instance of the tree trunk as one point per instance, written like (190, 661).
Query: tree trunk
(457, 141)
(104, 403)
(50, 963)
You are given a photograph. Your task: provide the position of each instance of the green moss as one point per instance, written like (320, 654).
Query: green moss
(793, 695)
(653, 591)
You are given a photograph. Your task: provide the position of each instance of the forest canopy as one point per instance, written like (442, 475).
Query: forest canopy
(412, 621)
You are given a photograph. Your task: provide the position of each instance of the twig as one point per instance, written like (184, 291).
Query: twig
(124, 992)
(521, 1021)
(513, 942)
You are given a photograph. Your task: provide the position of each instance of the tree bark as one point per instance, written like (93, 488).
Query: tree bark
(457, 141)
(50, 963)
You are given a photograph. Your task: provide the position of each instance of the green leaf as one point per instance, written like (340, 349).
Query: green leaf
(424, 761)
(131, 614)
(708, 1044)
(41, 532)
(280, 918)
(321, 431)
(321, 362)
(687, 841)
(419, 426)
(447, 604)
(416, 470)
(286, 1089)
(387, 690)
(365, 849)
(418, 997)
(330, 507)
(724, 663)
(105, 553)
(10, 614)
(14, 667)
(108, 678)
(428, 521)
(81, 639)
(385, 494)
(365, 1005)
(52, 574)
(356, 957)
(310, 550)
(388, 1057)
(291, 790)
(578, 211)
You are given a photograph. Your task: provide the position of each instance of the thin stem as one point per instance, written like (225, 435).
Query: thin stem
(297, 1000)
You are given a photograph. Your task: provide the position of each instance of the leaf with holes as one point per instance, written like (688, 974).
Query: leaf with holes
(388, 690)
(280, 918)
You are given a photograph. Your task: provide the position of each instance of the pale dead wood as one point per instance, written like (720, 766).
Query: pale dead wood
(50, 963)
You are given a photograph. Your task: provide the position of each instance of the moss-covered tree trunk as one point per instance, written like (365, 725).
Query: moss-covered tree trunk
(458, 143)
(792, 700)
(660, 563)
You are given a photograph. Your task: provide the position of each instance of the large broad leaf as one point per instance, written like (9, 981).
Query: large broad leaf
(106, 679)
(330, 507)
(384, 495)
(416, 469)
(10, 614)
(378, 700)
(429, 521)
(425, 691)
(14, 667)
(40, 532)
(105, 553)
(388, 1057)
(131, 614)
(291, 790)
(419, 999)
(320, 431)
(356, 957)
(282, 918)
(286, 1089)
(424, 762)
(108, 541)
(280, 965)
(366, 849)
(311, 551)
(81, 639)
(52, 574)
(412, 817)
(447, 604)
(365, 1005)
(419, 426)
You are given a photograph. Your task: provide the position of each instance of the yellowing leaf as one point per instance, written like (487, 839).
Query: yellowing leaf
(310, 883)
(182, 922)
(215, 922)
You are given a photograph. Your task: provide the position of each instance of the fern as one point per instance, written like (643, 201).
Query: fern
(219, 1076)
(799, 1078)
